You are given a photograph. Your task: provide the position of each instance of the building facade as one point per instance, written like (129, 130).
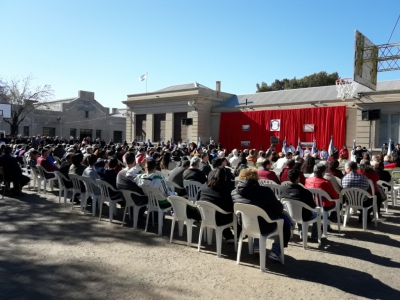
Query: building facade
(80, 116)
(157, 115)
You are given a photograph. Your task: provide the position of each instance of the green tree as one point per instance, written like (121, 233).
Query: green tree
(24, 99)
(317, 79)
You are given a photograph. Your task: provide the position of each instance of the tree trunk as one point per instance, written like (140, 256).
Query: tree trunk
(14, 126)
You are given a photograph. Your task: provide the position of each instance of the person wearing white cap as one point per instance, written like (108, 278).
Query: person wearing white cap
(235, 159)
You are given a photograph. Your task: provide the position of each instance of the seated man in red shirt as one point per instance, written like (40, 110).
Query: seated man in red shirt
(290, 165)
(367, 170)
(47, 165)
(266, 173)
(318, 182)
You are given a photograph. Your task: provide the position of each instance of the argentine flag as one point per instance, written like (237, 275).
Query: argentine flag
(199, 144)
(143, 77)
(284, 148)
(314, 147)
(390, 148)
(330, 148)
(353, 157)
(299, 148)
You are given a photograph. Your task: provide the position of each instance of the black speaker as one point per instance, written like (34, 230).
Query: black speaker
(365, 115)
(187, 121)
(375, 114)
(370, 115)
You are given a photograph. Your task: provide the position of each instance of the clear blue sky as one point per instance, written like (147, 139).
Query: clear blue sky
(104, 46)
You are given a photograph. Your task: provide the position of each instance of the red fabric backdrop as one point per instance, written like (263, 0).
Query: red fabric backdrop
(327, 121)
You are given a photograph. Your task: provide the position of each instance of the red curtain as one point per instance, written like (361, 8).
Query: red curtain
(328, 121)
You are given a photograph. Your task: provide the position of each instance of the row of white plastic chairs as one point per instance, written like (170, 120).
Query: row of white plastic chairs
(355, 198)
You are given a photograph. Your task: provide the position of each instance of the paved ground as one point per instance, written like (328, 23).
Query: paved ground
(50, 252)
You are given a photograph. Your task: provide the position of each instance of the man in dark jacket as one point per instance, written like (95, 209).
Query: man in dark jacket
(176, 176)
(193, 173)
(204, 165)
(12, 171)
(296, 192)
(249, 191)
(125, 182)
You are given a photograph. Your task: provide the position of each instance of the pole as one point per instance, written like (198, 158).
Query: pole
(370, 144)
(147, 79)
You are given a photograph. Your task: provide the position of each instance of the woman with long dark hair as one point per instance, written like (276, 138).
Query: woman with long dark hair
(308, 165)
(217, 190)
(166, 162)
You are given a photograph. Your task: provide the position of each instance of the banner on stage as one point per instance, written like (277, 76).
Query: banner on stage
(275, 125)
(274, 140)
(245, 143)
(245, 127)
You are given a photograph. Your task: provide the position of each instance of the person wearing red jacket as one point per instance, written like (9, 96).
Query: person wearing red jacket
(290, 165)
(345, 152)
(318, 182)
(367, 170)
(47, 165)
(266, 173)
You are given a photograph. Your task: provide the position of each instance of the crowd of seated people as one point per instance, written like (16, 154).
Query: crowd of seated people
(226, 177)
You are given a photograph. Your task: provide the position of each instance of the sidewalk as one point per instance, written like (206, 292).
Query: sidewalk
(50, 252)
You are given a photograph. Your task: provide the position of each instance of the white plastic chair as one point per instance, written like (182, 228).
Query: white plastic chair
(192, 188)
(251, 164)
(154, 196)
(384, 186)
(165, 173)
(130, 203)
(295, 210)
(179, 206)
(276, 188)
(355, 199)
(208, 212)
(36, 178)
(90, 185)
(250, 227)
(77, 189)
(105, 188)
(62, 188)
(263, 182)
(395, 187)
(45, 180)
(318, 195)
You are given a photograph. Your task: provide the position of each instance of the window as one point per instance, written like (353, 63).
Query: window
(49, 131)
(26, 130)
(98, 134)
(117, 137)
(72, 132)
(389, 129)
(84, 133)
(86, 114)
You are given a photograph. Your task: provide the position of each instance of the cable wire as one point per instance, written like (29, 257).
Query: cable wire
(393, 29)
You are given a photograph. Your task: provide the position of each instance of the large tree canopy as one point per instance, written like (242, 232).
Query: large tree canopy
(23, 97)
(317, 79)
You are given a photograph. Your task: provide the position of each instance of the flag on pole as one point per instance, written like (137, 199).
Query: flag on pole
(210, 139)
(143, 77)
(330, 148)
(148, 143)
(284, 148)
(199, 144)
(299, 148)
(314, 148)
(390, 148)
(353, 157)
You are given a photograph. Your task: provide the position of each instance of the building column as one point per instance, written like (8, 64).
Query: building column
(149, 127)
(130, 126)
(169, 126)
(193, 131)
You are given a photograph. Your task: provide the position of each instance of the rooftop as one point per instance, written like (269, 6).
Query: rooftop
(183, 87)
(302, 95)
